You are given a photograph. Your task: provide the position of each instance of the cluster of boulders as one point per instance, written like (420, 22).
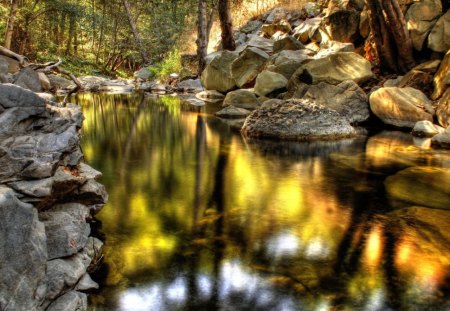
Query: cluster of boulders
(298, 75)
(47, 199)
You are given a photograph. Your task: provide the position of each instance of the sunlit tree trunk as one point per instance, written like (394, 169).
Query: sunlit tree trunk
(391, 37)
(202, 45)
(135, 31)
(11, 22)
(226, 26)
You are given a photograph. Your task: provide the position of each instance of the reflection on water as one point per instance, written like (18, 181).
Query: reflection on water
(200, 219)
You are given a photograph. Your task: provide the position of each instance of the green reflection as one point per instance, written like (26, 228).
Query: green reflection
(198, 218)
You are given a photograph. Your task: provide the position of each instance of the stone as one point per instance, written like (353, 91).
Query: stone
(443, 109)
(4, 71)
(297, 119)
(232, 112)
(441, 79)
(71, 301)
(423, 186)
(23, 254)
(246, 67)
(13, 65)
(45, 82)
(347, 98)
(420, 19)
(191, 85)
(393, 82)
(335, 69)
(417, 79)
(439, 37)
(29, 79)
(282, 26)
(86, 283)
(426, 129)
(311, 9)
(251, 27)
(16, 96)
(430, 66)
(59, 83)
(241, 99)
(332, 47)
(442, 140)
(287, 43)
(288, 61)
(308, 30)
(342, 24)
(269, 82)
(210, 95)
(217, 74)
(47, 97)
(261, 43)
(401, 107)
(66, 228)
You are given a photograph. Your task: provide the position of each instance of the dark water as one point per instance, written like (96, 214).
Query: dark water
(201, 219)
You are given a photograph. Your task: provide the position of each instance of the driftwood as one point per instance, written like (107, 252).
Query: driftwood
(50, 67)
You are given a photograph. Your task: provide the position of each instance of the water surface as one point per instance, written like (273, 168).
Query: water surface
(201, 219)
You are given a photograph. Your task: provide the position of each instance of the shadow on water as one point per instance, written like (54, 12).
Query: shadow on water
(201, 219)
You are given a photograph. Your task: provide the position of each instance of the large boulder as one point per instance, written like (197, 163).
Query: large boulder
(59, 83)
(335, 69)
(241, 99)
(28, 79)
(4, 76)
(441, 79)
(282, 26)
(246, 67)
(23, 254)
(13, 65)
(401, 107)
(251, 27)
(443, 109)
(269, 82)
(287, 62)
(423, 186)
(439, 38)
(347, 98)
(331, 47)
(287, 43)
(420, 19)
(342, 24)
(217, 74)
(309, 30)
(14, 96)
(144, 74)
(297, 119)
(261, 43)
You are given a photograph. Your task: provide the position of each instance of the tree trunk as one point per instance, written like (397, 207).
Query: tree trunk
(71, 35)
(391, 37)
(134, 29)
(11, 22)
(226, 26)
(202, 45)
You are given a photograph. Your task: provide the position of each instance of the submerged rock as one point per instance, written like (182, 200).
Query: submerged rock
(297, 119)
(241, 99)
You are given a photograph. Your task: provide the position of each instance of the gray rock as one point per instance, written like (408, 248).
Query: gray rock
(40, 188)
(241, 99)
(232, 112)
(332, 47)
(66, 228)
(59, 83)
(23, 254)
(251, 27)
(86, 283)
(263, 44)
(426, 129)
(277, 14)
(401, 107)
(268, 82)
(246, 67)
(28, 79)
(13, 65)
(439, 38)
(16, 96)
(217, 74)
(287, 62)
(308, 30)
(144, 74)
(442, 140)
(191, 85)
(347, 98)
(420, 18)
(210, 95)
(297, 119)
(287, 43)
(71, 301)
(47, 97)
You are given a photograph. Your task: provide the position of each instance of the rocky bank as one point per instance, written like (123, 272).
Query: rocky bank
(47, 199)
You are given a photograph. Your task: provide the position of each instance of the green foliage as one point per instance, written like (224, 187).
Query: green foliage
(170, 64)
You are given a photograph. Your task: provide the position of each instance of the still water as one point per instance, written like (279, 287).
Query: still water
(201, 219)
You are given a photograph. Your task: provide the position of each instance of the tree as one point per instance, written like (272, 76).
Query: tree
(226, 25)
(391, 37)
(11, 22)
(136, 35)
(203, 31)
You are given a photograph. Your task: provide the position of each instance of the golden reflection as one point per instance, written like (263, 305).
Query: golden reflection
(374, 247)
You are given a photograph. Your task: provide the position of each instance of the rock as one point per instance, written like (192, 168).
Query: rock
(263, 44)
(424, 186)
(342, 24)
(232, 112)
(417, 79)
(347, 98)
(241, 99)
(13, 65)
(47, 97)
(71, 301)
(441, 79)
(308, 30)
(4, 77)
(66, 228)
(287, 62)
(430, 66)
(442, 140)
(15, 96)
(332, 47)
(144, 74)
(86, 283)
(210, 95)
(246, 67)
(45, 82)
(251, 27)
(277, 14)
(235, 124)
(401, 107)
(59, 83)
(282, 26)
(191, 85)
(217, 74)
(439, 38)
(335, 69)
(420, 19)
(269, 82)
(426, 129)
(443, 109)
(287, 43)
(297, 119)
(311, 9)
(92, 83)
(23, 254)
(393, 82)
(27, 78)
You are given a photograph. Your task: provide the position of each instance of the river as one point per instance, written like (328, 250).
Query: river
(201, 219)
